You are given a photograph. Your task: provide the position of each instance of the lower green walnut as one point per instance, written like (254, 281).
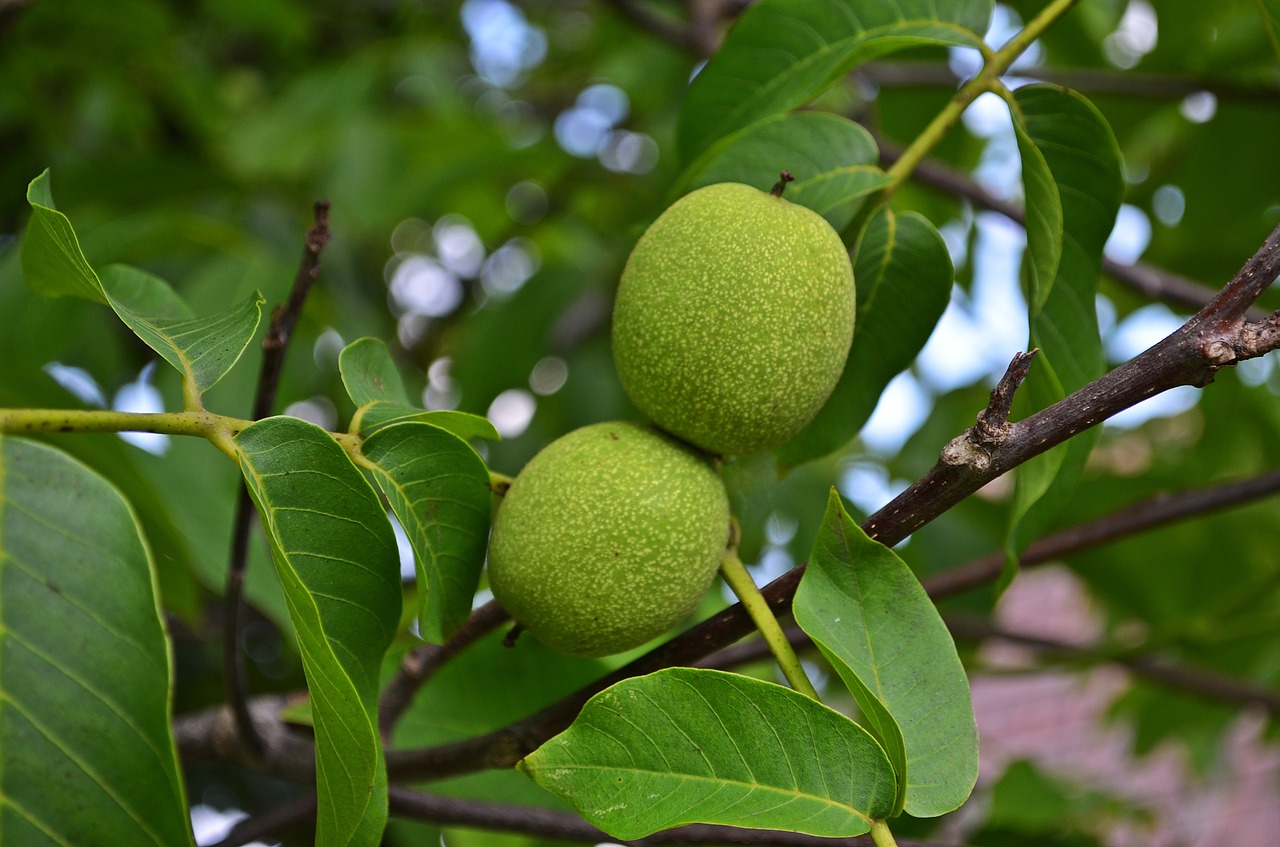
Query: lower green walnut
(609, 537)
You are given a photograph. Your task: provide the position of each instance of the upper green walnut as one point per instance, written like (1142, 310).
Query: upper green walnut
(734, 318)
(608, 538)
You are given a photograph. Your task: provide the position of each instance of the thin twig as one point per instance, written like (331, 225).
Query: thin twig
(1201, 682)
(420, 663)
(1145, 278)
(1161, 510)
(909, 74)
(274, 346)
(993, 421)
(655, 23)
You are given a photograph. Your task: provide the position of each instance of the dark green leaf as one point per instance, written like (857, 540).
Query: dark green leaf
(700, 746)
(903, 274)
(336, 557)
(202, 349)
(1083, 161)
(438, 487)
(783, 53)
(85, 679)
(863, 605)
(369, 374)
(832, 159)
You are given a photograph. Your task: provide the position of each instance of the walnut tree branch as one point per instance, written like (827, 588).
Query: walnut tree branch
(1215, 337)
(274, 346)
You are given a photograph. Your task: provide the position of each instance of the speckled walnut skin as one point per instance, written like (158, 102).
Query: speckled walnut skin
(734, 318)
(608, 538)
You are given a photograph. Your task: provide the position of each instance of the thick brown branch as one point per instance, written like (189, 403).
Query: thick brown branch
(1208, 684)
(547, 823)
(274, 346)
(1215, 337)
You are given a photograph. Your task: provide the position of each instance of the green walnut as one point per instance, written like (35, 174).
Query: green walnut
(608, 538)
(734, 318)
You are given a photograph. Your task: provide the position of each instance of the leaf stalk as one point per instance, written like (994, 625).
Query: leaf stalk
(736, 575)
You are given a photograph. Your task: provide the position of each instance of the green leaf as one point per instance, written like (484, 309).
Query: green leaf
(369, 374)
(52, 261)
(85, 673)
(782, 53)
(1270, 13)
(904, 276)
(832, 159)
(336, 557)
(1083, 160)
(381, 413)
(861, 604)
(201, 349)
(1043, 220)
(700, 746)
(438, 487)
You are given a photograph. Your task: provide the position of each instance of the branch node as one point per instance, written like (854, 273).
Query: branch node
(993, 421)
(1220, 354)
(965, 451)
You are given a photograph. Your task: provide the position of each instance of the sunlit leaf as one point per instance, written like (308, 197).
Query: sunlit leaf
(864, 606)
(201, 349)
(903, 275)
(700, 746)
(84, 664)
(438, 487)
(336, 557)
(783, 53)
(832, 159)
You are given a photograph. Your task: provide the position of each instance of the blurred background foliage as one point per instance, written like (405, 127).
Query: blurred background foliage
(490, 164)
